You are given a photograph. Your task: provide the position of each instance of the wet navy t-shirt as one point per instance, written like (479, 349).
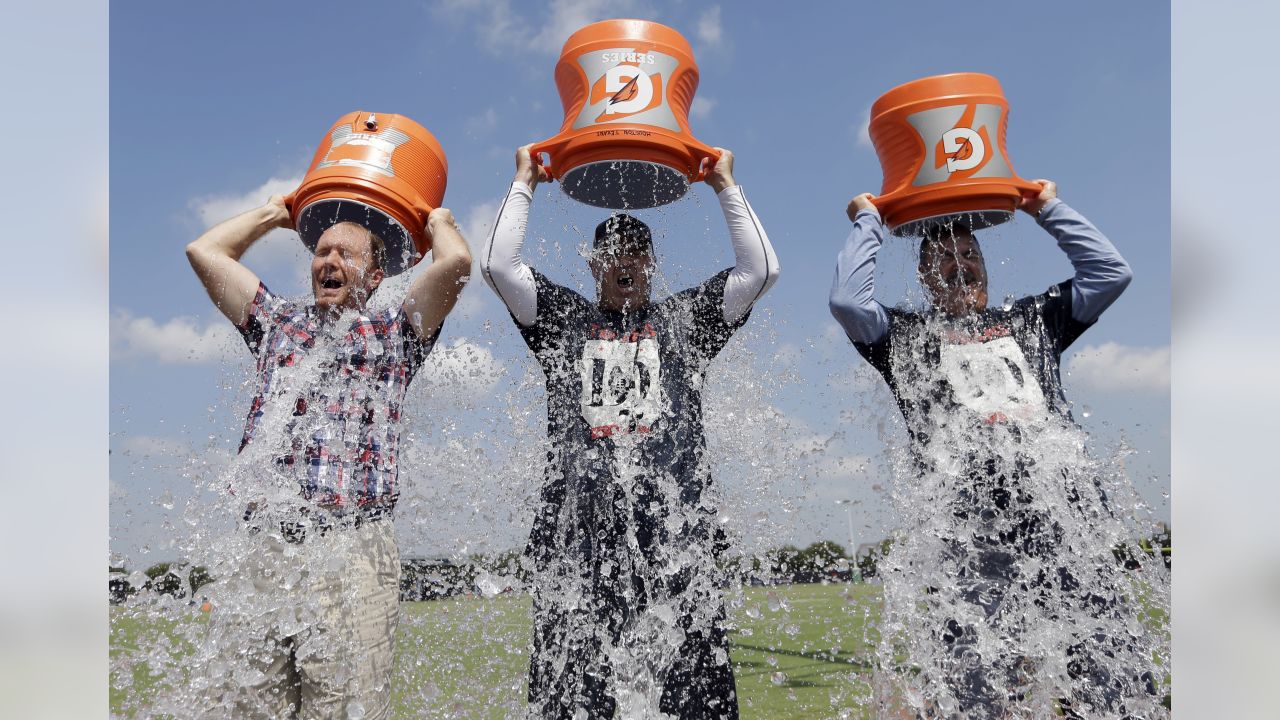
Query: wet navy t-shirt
(996, 366)
(624, 390)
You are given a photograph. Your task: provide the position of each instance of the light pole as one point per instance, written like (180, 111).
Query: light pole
(848, 514)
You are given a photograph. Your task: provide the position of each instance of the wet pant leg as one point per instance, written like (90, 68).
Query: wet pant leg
(344, 661)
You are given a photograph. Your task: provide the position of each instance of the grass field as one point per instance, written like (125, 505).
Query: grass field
(798, 652)
(803, 651)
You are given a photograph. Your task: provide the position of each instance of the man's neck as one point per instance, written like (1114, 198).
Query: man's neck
(331, 313)
(624, 309)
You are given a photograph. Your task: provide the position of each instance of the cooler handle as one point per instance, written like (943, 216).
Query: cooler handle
(707, 157)
(550, 147)
(290, 201)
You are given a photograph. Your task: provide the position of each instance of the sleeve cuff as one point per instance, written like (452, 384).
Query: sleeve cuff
(522, 188)
(1047, 210)
(868, 212)
(733, 191)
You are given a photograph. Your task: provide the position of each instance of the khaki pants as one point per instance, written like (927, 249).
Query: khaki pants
(304, 629)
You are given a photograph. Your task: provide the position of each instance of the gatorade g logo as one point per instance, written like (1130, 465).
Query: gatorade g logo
(957, 141)
(371, 151)
(627, 86)
(630, 90)
(964, 149)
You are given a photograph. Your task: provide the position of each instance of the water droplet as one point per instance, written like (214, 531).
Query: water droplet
(778, 678)
(1055, 291)
(1007, 305)
(1085, 411)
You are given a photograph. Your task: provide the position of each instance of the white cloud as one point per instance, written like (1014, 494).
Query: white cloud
(179, 340)
(710, 31)
(477, 222)
(496, 23)
(863, 131)
(568, 16)
(701, 108)
(278, 248)
(483, 123)
(464, 367)
(213, 209)
(1112, 366)
(500, 28)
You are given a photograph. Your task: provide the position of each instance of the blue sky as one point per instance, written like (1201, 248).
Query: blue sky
(214, 107)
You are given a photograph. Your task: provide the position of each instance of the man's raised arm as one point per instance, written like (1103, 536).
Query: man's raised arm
(215, 256)
(852, 300)
(755, 267)
(1101, 274)
(501, 262)
(434, 292)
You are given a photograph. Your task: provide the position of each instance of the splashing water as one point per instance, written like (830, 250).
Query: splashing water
(472, 445)
(964, 625)
(1003, 593)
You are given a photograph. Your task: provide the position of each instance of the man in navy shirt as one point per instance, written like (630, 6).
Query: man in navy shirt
(980, 391)
(624, 542)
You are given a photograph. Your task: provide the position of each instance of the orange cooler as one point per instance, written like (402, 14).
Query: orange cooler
(626, 87)
(384, 172)
(941, 144)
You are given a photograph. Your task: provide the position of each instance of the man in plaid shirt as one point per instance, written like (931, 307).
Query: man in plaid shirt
(309, 594)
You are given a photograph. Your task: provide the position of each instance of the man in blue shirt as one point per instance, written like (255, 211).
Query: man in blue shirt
(1009, 530)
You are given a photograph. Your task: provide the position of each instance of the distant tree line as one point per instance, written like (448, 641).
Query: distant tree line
(493, 574)
(1158, 545)
(822, 561)
(180, 580)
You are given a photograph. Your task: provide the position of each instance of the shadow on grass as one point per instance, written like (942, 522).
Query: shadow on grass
(824, 665)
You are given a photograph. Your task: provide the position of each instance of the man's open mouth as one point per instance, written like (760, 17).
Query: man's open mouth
(331, 283)
(625, 281)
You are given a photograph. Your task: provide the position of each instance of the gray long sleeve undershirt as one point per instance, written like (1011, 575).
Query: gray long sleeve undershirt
(1101, 274)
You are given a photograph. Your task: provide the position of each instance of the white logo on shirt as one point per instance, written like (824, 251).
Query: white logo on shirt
(620, 385)
(992, 378)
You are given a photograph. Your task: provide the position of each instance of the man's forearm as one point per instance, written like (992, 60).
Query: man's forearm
(232, 238)
(1101, 274)
(450, 250)
(433, 294)
(852, 300)
(215, 257)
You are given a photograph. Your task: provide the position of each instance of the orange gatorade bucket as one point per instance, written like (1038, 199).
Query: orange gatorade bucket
(941, 144)
(626, 87)
(384, 172)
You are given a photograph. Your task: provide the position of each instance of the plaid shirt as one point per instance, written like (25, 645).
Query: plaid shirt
(338, 402)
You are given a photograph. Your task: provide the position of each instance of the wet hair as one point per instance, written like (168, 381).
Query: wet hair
(935, 231)
(622, 230)
(377, 248)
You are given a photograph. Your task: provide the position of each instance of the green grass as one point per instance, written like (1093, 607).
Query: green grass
(804, 651)
(467, 657)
